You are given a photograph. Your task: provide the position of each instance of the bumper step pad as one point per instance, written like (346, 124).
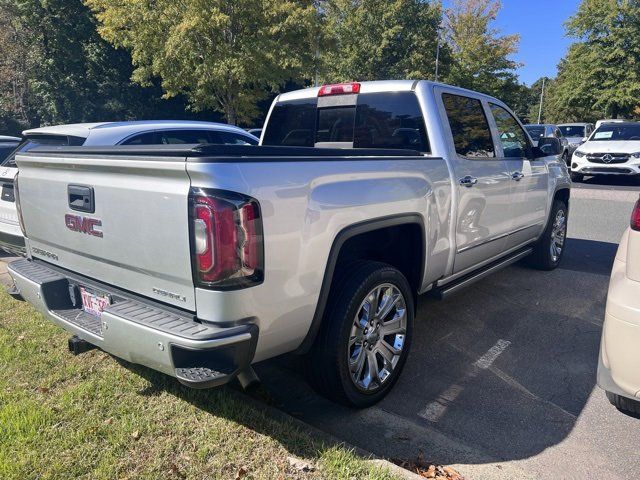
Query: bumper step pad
(201, 377)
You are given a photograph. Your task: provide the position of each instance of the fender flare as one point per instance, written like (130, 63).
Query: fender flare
(338, 242)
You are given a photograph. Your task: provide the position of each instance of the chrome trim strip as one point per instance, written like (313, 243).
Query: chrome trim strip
(498, 237)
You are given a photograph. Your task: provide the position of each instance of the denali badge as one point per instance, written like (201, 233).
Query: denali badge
(164, 293)
(78, 223)
(44, 253)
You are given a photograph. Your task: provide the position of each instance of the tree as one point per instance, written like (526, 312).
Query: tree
(381, 39)
(221, 54)
(480, 56)
(600, 75)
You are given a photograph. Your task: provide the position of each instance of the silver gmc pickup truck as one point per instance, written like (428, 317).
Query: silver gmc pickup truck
(199, 260)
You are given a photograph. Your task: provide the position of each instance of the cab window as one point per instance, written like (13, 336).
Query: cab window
(469, 126)
(512, 137)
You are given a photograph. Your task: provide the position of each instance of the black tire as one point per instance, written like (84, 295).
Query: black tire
(328, 362)
(625, 405)
(577, 177)
(542, 257)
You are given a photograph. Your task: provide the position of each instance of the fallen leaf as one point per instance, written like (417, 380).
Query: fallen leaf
(43, 389)
(242, 471)
(300, 465)
(20, 338)
(430, 472)
(108, 421)
(135, 435)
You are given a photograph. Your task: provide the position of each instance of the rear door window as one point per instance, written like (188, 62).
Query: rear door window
(231, 138)
(148, 138)
(173, 137)
(469, 126)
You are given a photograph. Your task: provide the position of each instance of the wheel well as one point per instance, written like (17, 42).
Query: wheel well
(400, 245)
(562, 194)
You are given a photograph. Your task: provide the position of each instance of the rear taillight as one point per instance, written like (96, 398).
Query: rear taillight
(635, 216)
(339, 89)
(16, 196)
(226, 240)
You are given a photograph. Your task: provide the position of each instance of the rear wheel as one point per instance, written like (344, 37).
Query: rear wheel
(624, 404)
(365, 335)
(548, 250)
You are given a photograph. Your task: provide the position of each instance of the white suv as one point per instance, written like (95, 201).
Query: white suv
(154, 132)
(613, 149)
(618, 372)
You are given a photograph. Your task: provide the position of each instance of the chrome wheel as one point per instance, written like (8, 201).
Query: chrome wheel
(377, 337)
(558, 234)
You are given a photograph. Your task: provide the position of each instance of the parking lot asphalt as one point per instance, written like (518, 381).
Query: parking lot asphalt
(500, 382)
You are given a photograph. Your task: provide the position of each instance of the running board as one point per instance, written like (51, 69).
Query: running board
(457, 285)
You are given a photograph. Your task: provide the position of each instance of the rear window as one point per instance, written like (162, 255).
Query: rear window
(40, 140)
(378, 120)
(535, 131)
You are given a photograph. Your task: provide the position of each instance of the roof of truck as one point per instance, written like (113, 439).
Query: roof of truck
(125, 129)
(382, 86)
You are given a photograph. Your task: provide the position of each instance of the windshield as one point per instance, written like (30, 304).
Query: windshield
(573, 130)
(535, 131)
(37, 141)
(617, 131)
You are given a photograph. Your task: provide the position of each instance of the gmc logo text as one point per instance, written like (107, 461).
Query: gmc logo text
(78, 223)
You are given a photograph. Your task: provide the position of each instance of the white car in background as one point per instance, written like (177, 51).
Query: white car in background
(148, 132)
(618, 367)
(613, 149)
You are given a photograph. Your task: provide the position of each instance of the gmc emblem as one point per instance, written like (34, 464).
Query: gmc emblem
(78, 223)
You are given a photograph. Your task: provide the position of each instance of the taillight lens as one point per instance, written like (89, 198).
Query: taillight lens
(635, 217)
(16, 195)
(339, 89)
(227, 239)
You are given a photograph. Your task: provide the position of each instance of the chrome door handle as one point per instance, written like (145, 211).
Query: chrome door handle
(517, 176)
(468, 181)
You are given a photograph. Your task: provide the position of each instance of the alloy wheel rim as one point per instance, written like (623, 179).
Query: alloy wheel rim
(558, 235)
(377, 337)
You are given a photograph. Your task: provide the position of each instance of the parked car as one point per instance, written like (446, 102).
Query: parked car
(613, 149)
(576, 134)
(164, 132)
(7, 145)
(200, 261)
(618, 372)
(546, 130)
(599, 123)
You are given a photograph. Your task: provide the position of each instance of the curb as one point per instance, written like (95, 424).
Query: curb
(369, 457)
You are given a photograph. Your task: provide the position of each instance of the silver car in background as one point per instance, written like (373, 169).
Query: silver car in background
(576, 134)
(147, 132)
(547, 130)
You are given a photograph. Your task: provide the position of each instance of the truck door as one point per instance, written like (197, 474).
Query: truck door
(482, 181)
(529, 178)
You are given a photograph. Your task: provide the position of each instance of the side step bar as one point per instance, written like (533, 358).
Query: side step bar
(447, 290)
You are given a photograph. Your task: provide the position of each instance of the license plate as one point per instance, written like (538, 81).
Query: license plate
(93, 302)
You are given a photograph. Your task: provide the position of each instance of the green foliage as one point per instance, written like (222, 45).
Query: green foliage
(220, 54)
(600, 75)
(480, 56)
(381, 39)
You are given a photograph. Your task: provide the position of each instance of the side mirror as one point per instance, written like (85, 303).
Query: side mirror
(548, 146)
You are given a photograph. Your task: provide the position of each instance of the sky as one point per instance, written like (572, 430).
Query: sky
(540, 24)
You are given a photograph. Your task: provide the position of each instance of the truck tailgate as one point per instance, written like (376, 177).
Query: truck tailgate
(136, 238)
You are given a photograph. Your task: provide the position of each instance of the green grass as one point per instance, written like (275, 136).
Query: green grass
(94, 417)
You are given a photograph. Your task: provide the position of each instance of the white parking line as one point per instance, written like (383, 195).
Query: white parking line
(436, 409)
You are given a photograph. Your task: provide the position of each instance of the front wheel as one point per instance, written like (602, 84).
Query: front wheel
(365, 335)
(548, 250)
(625, 405)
